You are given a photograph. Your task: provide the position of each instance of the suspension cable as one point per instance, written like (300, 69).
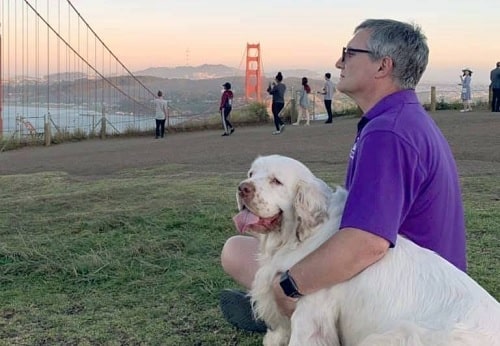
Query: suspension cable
(82, 58)
(109, 50)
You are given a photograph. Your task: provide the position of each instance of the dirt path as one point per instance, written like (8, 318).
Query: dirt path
(474, 138)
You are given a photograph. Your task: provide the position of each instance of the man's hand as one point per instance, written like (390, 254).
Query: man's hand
(286, 304)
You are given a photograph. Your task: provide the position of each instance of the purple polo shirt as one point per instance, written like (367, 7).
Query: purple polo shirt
(402, 178)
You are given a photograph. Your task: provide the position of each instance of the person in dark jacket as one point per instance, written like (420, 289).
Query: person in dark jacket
(226, 105)
(277, 89)
(495, 88)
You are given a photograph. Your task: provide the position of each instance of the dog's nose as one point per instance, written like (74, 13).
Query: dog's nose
(246, 190)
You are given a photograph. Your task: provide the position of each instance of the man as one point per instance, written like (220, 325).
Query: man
(327, 91)
(495, 88)
(401, 176)
(161, 111)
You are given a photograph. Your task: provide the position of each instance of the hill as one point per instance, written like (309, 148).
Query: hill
(207, 71)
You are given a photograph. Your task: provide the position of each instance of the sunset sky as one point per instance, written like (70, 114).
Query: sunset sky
(292, 33)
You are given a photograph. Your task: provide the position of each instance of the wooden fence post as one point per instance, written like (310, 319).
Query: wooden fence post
(433, 98)
(46, 130)
(103, 123)
(293, 107)
(313, 117)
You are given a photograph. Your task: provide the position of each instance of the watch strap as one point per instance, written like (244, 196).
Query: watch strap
(289, 286)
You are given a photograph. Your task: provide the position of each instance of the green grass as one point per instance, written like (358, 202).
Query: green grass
(134, 259)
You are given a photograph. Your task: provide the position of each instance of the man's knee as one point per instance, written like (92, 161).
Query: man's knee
(239, 258)
(229, 255)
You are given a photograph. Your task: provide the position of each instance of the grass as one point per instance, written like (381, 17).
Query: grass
(131, 260)
(134, 259)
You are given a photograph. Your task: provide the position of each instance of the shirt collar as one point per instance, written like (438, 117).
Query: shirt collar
(399, 97)
(403, 96)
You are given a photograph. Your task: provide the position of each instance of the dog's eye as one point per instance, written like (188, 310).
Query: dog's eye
(276, 181)
(250, 174)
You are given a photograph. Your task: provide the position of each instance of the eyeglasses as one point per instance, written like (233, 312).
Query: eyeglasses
(353, 50)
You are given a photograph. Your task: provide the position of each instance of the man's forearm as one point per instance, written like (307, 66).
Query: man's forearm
(344, 255)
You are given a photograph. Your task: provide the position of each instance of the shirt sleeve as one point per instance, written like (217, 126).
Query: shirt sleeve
(383, 185)
(223, 100)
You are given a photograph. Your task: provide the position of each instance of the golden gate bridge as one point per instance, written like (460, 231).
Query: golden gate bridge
(58, 75)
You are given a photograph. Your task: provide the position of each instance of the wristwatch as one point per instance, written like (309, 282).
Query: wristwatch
(289, 286)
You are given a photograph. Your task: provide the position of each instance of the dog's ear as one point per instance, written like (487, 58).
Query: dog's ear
(311, 205)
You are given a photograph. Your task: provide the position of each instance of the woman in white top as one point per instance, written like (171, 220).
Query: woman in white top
(466, 89)
(304, 102)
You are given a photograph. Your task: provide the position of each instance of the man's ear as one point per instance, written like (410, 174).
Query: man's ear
(386, 66)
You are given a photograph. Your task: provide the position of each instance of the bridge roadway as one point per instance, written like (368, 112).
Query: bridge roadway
(474, 138)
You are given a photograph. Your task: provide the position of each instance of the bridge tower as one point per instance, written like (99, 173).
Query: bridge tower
(253, 75)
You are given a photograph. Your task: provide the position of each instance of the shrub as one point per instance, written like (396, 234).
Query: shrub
(256, 111)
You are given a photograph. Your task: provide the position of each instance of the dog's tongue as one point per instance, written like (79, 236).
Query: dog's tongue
(245, 219)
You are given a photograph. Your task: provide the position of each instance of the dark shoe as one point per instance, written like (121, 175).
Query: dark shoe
(232, 130)
(237, 310)
(328, 122)
(225, 134)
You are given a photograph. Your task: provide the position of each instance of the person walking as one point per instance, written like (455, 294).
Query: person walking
(327, 93)
(304, 102)
(277, 89)
(226, 105)
(495, 88)
(161, 113)
(401, 176)
(466, 94)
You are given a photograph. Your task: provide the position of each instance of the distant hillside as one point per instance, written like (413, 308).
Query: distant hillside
(208, 71)
(190, 72)
(198, 94)
(298, 73)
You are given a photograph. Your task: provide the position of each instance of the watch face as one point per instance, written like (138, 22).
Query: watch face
(288, 285)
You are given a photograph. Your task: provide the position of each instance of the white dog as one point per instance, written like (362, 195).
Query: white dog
(410, 297)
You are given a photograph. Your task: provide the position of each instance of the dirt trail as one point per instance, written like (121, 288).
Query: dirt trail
(474, 138)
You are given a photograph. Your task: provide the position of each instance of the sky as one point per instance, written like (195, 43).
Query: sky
(293, 34)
